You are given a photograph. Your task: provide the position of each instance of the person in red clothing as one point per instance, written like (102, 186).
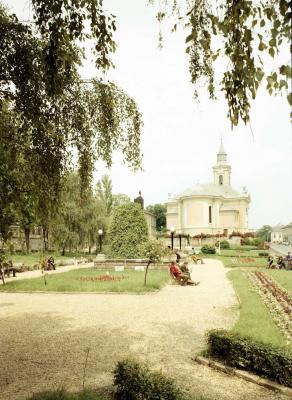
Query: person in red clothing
(176, 272)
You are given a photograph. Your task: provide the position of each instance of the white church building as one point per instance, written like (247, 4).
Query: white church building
(210, 208)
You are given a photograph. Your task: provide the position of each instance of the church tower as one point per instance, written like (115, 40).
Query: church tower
(222, 171)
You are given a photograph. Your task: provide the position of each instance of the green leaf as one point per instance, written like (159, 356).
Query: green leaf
(289, 98)
(271, 52)
(189, 38)
(262, 46)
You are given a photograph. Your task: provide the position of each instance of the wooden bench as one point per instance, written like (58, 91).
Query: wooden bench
(181, 281)
(196, 258)
(5, 269)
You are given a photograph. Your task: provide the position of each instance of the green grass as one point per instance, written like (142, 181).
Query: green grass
(70, 282)
(284, 278)
(238, 262)
(34, 258)
(254, 320)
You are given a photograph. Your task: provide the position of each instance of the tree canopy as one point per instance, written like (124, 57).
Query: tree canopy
(159, 210)
(47, 113)
(245, 35)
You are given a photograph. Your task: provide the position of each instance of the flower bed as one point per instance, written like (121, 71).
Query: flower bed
(277, 300)
(103, 278)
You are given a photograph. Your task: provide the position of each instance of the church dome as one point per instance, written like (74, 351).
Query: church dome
(210, 189)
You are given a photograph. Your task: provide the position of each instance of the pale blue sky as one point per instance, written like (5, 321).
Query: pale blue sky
(181, 137)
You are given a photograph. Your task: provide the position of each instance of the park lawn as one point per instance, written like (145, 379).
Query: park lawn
(242, 262)
(284, 278)
(34, 258)
(133, 282)
(254, 319)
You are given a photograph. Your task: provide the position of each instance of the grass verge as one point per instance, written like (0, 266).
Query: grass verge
(34, 258)
(254, 319)
(284, 278)
(240, 261)
(87, 280)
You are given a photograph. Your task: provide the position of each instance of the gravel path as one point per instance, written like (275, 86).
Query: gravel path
(44, 337)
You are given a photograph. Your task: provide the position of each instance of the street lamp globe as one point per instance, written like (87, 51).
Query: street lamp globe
(172, 229)
(100, 231)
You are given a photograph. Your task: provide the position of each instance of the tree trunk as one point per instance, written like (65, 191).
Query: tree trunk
(63, 251)
(45, 237)
(2, 274)
(149, 262)
(27, 234)
(89, 250)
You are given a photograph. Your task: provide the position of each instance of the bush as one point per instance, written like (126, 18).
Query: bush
(208, 249)
(134, 381)
(128, 230)
(257, 241)
(224, 244)
(246, 241)
(263, 254)
(246, 353)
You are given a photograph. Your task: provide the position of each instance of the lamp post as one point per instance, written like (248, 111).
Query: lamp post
(100, 233)
(172, 233)
(219, 248)
(179, 234)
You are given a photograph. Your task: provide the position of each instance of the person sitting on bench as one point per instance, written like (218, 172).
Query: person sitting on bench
(281, 263)
(184, 278)
(270, 262)
(185, 268)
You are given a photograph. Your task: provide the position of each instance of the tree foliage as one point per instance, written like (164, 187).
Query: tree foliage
(79, 217)
(264, 232)
(128, 230)
(104, 193)
(159, 210)
(245, 35)
(48, 113)
(153, 250)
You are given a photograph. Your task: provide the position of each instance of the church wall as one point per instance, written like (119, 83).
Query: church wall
(241, 219)
(228, 220)
(172, 221)
(193, 213)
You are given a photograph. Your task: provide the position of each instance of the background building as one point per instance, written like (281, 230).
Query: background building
(277, 234)
(209, 208)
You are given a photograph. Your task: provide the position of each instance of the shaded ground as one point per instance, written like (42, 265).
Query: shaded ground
(44, 337)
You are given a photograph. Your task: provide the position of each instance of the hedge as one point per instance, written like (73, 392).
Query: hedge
(246, 353)
(128, 231)
(134, 381)
(208, 249)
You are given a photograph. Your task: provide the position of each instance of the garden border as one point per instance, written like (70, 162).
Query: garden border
(248, 376)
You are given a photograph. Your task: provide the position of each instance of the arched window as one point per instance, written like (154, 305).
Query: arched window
(220, 179)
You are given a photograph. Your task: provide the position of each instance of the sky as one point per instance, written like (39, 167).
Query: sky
(181, 136)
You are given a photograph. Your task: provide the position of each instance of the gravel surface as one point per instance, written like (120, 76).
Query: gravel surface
(45, 336)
